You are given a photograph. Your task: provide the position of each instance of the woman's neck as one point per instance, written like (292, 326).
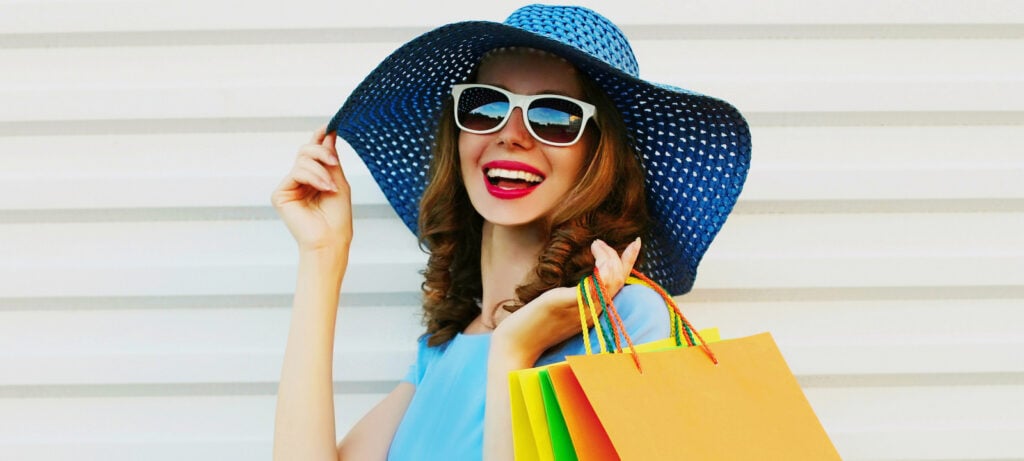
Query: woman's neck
(507, 256)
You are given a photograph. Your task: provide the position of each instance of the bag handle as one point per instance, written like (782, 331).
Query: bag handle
(675, 313)
(587, 301)
(591, 291)
(586, 304)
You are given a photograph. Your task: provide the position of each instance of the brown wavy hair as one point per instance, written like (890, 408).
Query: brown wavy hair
(607, 202)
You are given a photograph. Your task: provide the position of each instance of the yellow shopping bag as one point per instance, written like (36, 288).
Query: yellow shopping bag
(531, 439)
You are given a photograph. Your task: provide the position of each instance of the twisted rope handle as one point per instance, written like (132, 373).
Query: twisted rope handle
(585, 303)
(677, 316)
(617, 323)
(591, 292)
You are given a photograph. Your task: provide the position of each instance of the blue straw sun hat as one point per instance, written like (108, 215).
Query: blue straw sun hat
(695, 149)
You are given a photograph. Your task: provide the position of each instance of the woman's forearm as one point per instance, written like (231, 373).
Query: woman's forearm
(304, 422)
(517, 343)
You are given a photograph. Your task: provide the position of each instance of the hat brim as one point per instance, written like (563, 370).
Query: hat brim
(695, 149)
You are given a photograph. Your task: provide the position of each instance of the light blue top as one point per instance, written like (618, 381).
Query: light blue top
(445, 419)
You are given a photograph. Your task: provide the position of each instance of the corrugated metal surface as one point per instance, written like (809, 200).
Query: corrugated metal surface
(145, 281)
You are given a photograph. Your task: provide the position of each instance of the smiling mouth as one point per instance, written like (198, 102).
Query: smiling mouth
(512, 179)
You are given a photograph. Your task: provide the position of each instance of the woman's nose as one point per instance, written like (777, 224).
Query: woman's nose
(515, 132)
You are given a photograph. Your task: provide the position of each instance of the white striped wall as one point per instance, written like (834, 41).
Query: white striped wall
(145, 281)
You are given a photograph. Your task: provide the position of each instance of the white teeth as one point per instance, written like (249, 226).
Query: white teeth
(513, 174)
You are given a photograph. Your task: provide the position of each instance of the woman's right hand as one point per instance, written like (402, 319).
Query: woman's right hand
(314, 199)
(553, 316)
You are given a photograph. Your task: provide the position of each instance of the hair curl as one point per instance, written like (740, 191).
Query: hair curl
(608, 202)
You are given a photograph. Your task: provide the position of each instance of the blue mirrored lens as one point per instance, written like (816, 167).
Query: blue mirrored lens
(556, 120)
(481, 109)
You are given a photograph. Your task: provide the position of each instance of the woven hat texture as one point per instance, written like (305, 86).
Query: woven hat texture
(695, 149)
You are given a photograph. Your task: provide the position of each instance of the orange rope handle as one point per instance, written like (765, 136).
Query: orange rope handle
(617, 320)
(671, 302)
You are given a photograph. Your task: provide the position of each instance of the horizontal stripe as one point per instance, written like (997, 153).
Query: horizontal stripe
(234, 301)
(177, 390)
(383, 387)
(368, 211)
(399, 35)
(369, 300)
(912, 380)
(191, 214)
(282, 124)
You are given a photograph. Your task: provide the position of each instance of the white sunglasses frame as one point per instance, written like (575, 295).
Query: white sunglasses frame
(522, 101)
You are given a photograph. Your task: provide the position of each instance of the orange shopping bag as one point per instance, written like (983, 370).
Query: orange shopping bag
(540, 431)
(738, 402)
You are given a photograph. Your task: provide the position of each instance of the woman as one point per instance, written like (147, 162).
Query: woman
(543, 156)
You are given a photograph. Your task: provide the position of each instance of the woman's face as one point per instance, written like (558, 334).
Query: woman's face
(513, 150)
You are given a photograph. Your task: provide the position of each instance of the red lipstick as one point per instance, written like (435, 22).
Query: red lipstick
(511, 165)
(509, 194)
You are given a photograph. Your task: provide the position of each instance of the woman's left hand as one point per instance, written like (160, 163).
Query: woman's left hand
(553, 316)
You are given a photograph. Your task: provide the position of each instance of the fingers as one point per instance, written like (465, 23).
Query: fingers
(317, 163)
(319, 134)
(337, 172)
(605, 254)
(301, 176)
(614, 269)
(329, 140)
(630, 254)
(313, 173)
(319, 153)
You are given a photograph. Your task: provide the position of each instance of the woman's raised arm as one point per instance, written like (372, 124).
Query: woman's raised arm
(315, 203)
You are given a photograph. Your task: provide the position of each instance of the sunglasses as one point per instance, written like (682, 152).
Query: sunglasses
(550, 118)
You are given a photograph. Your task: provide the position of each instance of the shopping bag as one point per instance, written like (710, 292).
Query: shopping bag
(561, 442)
(737, 402)
(530, 435)
(569, 409)
(540, 431)
(587, 435)
(538, 428)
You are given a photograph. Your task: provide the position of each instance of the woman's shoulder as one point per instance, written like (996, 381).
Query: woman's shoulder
(425, 356)
(644, 312)
(637, 293)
